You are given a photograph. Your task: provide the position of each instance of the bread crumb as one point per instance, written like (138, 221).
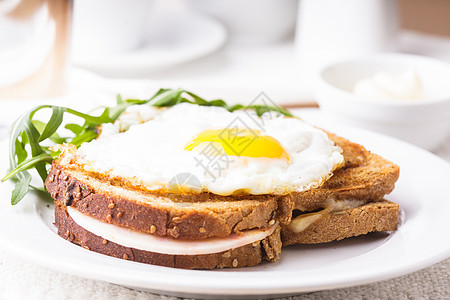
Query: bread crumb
(202, 230)
(109, 218)
(254, 244)
(104, 242)
(125, 256)
(120, 214)
(86, 247)
(271, 222)
(111, 205)
(152, 229)
(176, 219)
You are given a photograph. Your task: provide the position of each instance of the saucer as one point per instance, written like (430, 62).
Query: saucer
(172, 38)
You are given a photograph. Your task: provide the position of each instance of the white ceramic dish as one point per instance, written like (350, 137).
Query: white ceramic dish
(109, 25)
(421, 191)
(173, 38)
(252, 21)
(423, 123)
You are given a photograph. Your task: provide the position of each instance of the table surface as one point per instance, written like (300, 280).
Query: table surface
(21, 279)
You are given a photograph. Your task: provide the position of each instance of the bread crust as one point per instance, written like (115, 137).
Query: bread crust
(248, 255)
(381, 215)
(365, 176)
(161, 216)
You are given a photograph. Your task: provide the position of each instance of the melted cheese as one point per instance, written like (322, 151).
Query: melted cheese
(152, 243)
(302, 222)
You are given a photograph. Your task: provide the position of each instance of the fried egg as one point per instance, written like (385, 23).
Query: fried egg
(226, 153)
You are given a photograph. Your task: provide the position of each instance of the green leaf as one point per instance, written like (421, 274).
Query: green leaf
(119, 99)
(236, 107)
(33, 136)
(115, 112)
(21, 188)
(40, 126)
(159, 93)
(136, 101)
(261, 109)
(219, 103)
(53, 124)
(28, 164)
(20, 151)
(166, 97)
(86, 136)
(24, 138)
(15, 131)
(198, 100)
(75, 128)
(91, 119)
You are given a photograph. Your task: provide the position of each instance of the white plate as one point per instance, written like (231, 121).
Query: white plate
(421, 240)
(173, 38)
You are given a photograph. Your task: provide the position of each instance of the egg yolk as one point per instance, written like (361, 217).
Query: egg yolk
(238, 142)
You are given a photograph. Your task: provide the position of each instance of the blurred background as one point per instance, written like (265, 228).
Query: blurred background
(233, 49)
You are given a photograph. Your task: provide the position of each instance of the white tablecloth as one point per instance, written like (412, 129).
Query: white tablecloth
(21, 279)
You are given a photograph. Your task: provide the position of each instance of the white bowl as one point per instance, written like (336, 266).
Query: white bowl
(425, 123)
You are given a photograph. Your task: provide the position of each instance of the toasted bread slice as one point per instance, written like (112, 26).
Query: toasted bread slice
(248, 255)
(160, 215)
(365, 176)
(381, 215)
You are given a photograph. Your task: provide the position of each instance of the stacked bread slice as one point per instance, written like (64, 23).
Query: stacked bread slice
(176, 230)
(349, 204)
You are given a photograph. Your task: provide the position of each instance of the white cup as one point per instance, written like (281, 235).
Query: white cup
(109, 26)
(252, 21)
(330, 30)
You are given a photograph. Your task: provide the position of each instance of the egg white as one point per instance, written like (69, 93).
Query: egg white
(152, 151)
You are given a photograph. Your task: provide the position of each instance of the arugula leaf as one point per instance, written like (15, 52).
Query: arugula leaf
(53, 123)
(21, 188)
(30, 138)
(28, 163)
(21, 153)
(75, 128)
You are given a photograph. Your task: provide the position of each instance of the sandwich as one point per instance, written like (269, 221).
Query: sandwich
(204, 185)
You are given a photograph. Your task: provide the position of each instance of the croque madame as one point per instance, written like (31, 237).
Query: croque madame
(255, 184)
